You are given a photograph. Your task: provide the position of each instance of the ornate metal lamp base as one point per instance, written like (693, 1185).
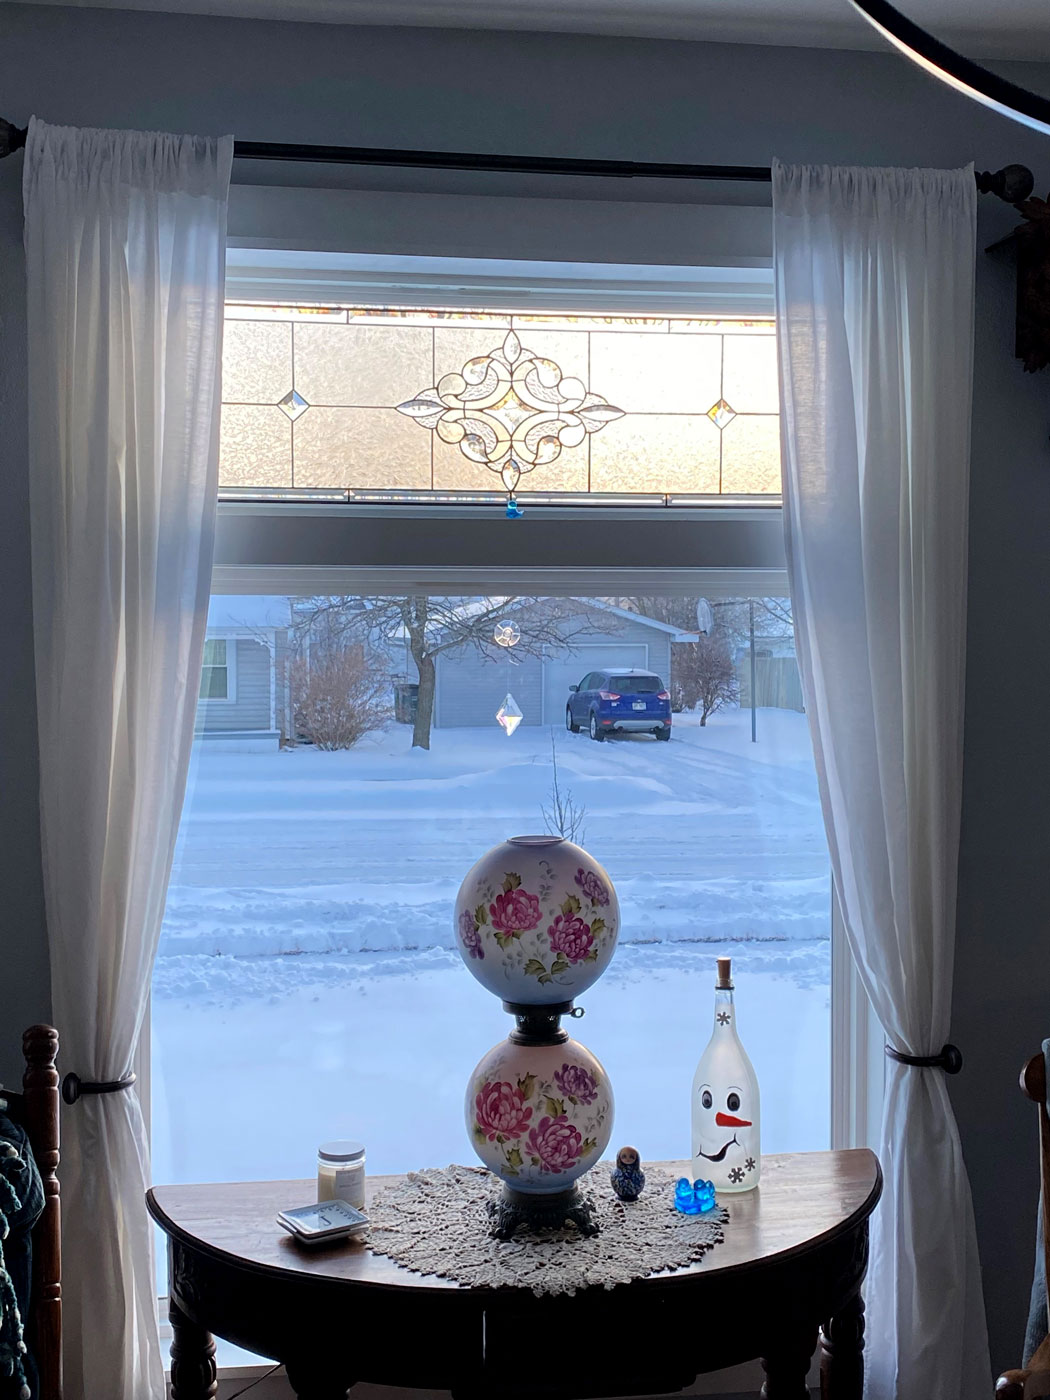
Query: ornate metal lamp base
(547, 1212)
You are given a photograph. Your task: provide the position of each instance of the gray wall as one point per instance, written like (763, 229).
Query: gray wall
(250, 707)
(622, 98)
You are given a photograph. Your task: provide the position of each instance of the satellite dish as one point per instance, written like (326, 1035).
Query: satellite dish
(705, 618)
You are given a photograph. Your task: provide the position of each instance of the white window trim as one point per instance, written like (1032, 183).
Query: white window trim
(858, 1061)
(230, 638)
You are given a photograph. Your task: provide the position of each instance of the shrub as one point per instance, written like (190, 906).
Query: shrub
(340, 696)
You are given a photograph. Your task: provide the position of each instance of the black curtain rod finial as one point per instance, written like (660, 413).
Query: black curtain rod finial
(1013, 183)
(12, 138)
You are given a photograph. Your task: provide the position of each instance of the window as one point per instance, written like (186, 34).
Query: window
(215, 672)
(307, 945)
(321, 398)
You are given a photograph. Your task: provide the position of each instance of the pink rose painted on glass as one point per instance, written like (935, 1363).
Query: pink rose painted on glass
(577, 1083)
(515, 912)
(570, 935)
(556, 1143)
(501, 1111)
(469, 934)
(592, 886)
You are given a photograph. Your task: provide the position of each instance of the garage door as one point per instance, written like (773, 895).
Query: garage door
(559, 672)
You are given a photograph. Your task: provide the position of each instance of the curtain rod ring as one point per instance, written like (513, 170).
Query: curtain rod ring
(950, 1059)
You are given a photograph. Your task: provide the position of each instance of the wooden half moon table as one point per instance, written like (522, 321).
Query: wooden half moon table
(791, 1268)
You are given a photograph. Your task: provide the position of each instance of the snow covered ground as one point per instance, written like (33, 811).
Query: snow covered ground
(306, 986)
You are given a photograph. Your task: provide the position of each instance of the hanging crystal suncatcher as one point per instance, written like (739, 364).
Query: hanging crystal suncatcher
(509, 715)
(510, 411)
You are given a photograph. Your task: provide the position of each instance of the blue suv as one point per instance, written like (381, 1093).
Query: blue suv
(605, 701)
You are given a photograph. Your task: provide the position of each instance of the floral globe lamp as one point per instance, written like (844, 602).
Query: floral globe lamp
(536, 923)
(537, 920)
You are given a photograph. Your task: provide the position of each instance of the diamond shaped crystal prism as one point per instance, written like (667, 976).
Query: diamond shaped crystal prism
(720, 414)
(293, 404)
(509, 714)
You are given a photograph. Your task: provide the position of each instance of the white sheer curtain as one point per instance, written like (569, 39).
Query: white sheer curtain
(875, 302)
(125, 238)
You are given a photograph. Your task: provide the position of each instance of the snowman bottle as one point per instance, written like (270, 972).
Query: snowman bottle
(725, 1102)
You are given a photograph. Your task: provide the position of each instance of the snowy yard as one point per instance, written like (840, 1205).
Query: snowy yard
(306, 986)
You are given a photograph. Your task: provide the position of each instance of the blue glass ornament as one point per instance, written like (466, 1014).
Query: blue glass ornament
(705, 1195)
(685, 1197)
(514, 511)
(694, 1197)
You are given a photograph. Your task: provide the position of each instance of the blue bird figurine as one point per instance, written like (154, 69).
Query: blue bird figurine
(627, 1176)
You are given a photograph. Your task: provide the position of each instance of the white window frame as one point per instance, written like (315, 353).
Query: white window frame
(230, 698)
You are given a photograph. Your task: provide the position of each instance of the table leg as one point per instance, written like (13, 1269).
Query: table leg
(314, 1378)
(842, 1353)
(787, 1366)
(193, 1375)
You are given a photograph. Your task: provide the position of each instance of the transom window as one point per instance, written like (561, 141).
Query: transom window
(311, 398)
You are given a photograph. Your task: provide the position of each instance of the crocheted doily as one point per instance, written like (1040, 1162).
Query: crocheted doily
(435, 1222)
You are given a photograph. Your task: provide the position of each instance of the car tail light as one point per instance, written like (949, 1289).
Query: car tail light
(664, 695)
(608, 695)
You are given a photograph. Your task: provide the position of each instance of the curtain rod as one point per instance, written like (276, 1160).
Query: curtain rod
(1012, 184)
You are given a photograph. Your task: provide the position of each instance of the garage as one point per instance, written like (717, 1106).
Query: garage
(559, 672)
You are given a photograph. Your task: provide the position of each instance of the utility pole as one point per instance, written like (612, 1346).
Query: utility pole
(751, 608)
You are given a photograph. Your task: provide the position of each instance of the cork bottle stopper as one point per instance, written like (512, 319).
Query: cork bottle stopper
(725, 980)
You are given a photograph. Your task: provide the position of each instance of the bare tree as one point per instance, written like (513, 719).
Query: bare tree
(339, 695)
(429, 626)
(704, 676)
(563, 817)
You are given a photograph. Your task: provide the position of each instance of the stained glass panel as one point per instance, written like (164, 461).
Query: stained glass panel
(311, 397)
(360, 447)
(255, 446)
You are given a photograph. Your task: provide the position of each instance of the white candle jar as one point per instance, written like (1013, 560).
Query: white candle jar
(341, 1172)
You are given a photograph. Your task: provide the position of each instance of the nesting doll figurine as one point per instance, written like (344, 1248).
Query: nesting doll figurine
(627, 1176)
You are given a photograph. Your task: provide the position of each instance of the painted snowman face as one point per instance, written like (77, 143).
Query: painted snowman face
(724, 1123)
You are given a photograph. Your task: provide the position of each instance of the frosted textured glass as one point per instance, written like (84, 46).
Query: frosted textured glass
(749, 374)
(255, 447)
(656, 453)
(361, 365)
(256, 361)
(366, 447)
(751, 455)
(453, 471)
(452, 348)
(656, 374)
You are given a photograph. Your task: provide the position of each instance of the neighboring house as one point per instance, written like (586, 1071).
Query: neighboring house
(471, 685)
(243, 703)
(778, 684)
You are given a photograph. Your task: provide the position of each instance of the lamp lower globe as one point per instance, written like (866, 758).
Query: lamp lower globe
(539, 1116)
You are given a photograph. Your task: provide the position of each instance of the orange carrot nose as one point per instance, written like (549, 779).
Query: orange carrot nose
(726, 1120)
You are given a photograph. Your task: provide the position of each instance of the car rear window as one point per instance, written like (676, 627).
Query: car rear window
(636, 685)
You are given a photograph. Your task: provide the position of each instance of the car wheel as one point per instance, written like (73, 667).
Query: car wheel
(664, 733)
(596, 732)
(569, 725)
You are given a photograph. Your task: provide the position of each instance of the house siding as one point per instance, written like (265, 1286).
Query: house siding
(470, 686)
(250, 709)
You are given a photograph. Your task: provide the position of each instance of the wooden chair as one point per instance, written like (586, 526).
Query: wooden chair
(1034, 1381)
(36, 1109)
